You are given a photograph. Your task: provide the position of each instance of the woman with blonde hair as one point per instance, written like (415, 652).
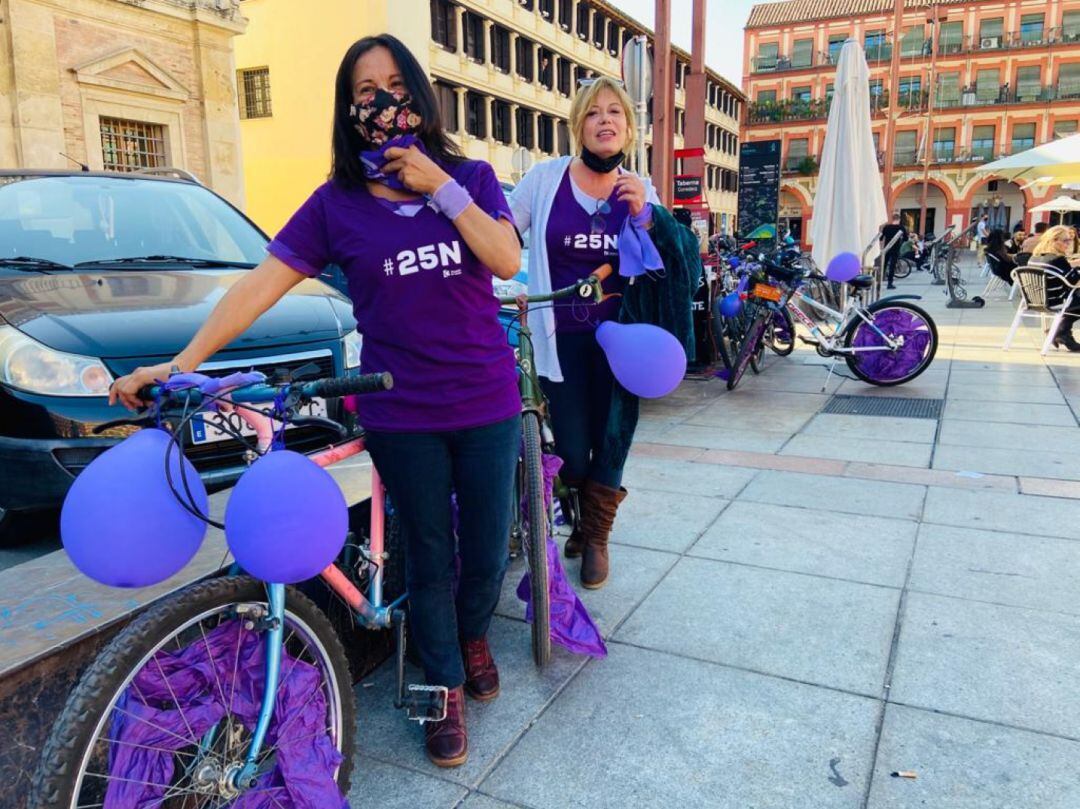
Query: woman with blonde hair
(1052, 253)
(576, 207)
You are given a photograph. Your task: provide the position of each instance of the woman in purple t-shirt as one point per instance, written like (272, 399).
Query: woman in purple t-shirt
(576, 208)
(418, 231)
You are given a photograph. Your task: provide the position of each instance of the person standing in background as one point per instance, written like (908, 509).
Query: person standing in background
(888, 232)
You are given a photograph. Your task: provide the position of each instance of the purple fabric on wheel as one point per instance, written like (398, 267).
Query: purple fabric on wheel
(571, 625)
(178, 696)
(889, 365)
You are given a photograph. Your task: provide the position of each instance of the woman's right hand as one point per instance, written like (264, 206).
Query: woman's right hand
(126, 389)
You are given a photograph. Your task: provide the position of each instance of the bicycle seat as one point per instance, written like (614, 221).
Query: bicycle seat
(862, 281)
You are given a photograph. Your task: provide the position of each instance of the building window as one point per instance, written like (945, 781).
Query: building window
(909, 91)
(476, 115)
(802, 53)
(951, 37)
(562, 131)
(798, 152)
(906, 148)
(1031, 29)
(474, 36)
(566, 14)
(444, 24)
(132, 145)
(1068, 85)
(767, 55)
(547, 9)
(500, 121)
(546, 135)
(546, 70)
(500, 48)
(613, 37)
(766, 97)
(1028, 83)
(1063, 129)
(446, 97)
(1023, 137)
(564, 84)
(944, 144)
(526, 136)
(836, 42)
(948, 90)
(913, 41)
(598, 29)
(800, 93)
(254, 92)
(991, 32)
(584, 17)
(524, 49)
(875, 46)
(987, 85)
(982, 142)
(1070, 26)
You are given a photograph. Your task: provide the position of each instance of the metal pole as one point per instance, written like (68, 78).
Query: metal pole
(642, 42)
(934, 40)
(663, 104)
(890, 117)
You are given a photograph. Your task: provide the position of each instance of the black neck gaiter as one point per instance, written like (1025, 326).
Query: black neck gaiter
(601, 165)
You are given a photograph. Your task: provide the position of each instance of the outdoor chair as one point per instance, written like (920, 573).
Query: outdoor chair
(994, 284)
(1032, 281)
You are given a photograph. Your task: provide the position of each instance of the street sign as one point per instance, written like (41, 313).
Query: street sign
(637, 70)
(687, 189)
(696, 151)
(521, 160)
(759, 187)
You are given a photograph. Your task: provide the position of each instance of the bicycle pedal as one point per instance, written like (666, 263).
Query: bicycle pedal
(426, 703)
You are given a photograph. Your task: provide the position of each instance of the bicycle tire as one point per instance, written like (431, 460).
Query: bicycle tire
(747, 348)
(536, 537)
(780, 337)
(876, 308)
(903, 268)
(90, 705)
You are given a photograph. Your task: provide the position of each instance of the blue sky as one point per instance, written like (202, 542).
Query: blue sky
(723, 32)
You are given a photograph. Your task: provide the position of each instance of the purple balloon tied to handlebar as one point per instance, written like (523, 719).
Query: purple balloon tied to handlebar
(843, 267)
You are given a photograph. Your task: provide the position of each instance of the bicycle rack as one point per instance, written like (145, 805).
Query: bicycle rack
(953, 278)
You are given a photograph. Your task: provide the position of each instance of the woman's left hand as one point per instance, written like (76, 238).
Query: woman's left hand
(630, 188)
(416, 170)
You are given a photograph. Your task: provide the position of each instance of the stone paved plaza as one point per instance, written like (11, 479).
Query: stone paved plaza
(802, 603)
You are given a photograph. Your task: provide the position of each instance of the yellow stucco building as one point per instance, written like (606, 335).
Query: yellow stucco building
(504, 70)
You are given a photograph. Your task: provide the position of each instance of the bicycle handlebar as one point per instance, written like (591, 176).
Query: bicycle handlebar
(259, 393)
(586, 288)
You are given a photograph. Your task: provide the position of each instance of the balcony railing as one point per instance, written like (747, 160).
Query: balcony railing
(766, 112)
(804, 165)
(776, 64)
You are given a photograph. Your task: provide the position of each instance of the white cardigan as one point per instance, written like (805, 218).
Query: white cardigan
(531, 202)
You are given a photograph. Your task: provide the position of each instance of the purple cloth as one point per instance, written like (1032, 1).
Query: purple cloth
(886, 366)
(146, 728)
(571, 625)
(375, 159)
(422, 301)
(574, 252)
(637, 253)
(212, 385)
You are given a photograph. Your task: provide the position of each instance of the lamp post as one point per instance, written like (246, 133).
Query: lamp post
(890, 117)
(935, 41)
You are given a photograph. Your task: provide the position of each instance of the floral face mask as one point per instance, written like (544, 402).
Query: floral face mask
(383, 117)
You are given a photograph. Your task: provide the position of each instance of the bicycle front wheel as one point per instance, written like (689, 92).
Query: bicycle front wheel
(780, 333)
(163, 716)
(909, 326)
(534, 512)
(750, 347)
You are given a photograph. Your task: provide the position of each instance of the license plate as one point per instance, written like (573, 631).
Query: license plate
(767, 292)
(206, 428)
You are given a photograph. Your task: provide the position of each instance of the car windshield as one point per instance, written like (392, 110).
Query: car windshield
(74, 219)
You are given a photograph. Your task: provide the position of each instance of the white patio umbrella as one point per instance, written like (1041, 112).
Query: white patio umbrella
(1049, 164)
(1060, 204)
(849, 206)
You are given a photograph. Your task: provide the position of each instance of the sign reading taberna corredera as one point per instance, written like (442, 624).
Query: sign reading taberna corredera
(759, 186)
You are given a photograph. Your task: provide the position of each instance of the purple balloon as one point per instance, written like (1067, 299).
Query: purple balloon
(731, 304)
(122, 525)
(843, 267)
(646, 360)
(286, 519)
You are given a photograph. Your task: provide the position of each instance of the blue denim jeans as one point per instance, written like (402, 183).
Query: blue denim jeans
(420, 471)
(579, 408)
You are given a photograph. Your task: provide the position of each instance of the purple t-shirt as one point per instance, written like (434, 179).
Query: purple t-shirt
(574, 252)
(422, 300)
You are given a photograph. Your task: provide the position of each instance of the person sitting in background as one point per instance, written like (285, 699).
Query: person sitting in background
(1051, 253)
(1014, 242)
(997, 255)
(1028, 245)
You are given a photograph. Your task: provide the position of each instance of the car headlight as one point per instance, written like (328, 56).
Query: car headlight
(28, 365)
(353, 342)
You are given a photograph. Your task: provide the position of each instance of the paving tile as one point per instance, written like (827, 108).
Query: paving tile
(660, 475)
(997, 511)
(853, 496)
(1002, 664)
(1024, 375)
(671, 522)
(772, 419)
(1057, 415)
(837, 425)
(1050, 488)
(479, 801)
(390, 787)
(648, 729)
(755, 400)
(1007, 461)
(1022, 571)
(900, 453)
(762, 460)
(827, 543)
(817, 630)
(634, 572)
(493, 726)
(1020, 394)
(930, 477)
(971, 765)
(1028, 437)
(716, 438)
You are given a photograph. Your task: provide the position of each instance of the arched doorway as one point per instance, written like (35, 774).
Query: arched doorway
(909, 203)
(792, 215)
(1001, 201)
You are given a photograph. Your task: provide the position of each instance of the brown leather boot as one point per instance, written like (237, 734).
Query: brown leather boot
(481, 676)
(598, 507)
(575, 543)
(446, 742)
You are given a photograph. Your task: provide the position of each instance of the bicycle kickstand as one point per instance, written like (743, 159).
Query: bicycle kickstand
(424, 703)
(828, 376)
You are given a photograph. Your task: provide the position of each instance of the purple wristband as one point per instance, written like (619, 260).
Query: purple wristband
(450, 199)
(644, 216)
